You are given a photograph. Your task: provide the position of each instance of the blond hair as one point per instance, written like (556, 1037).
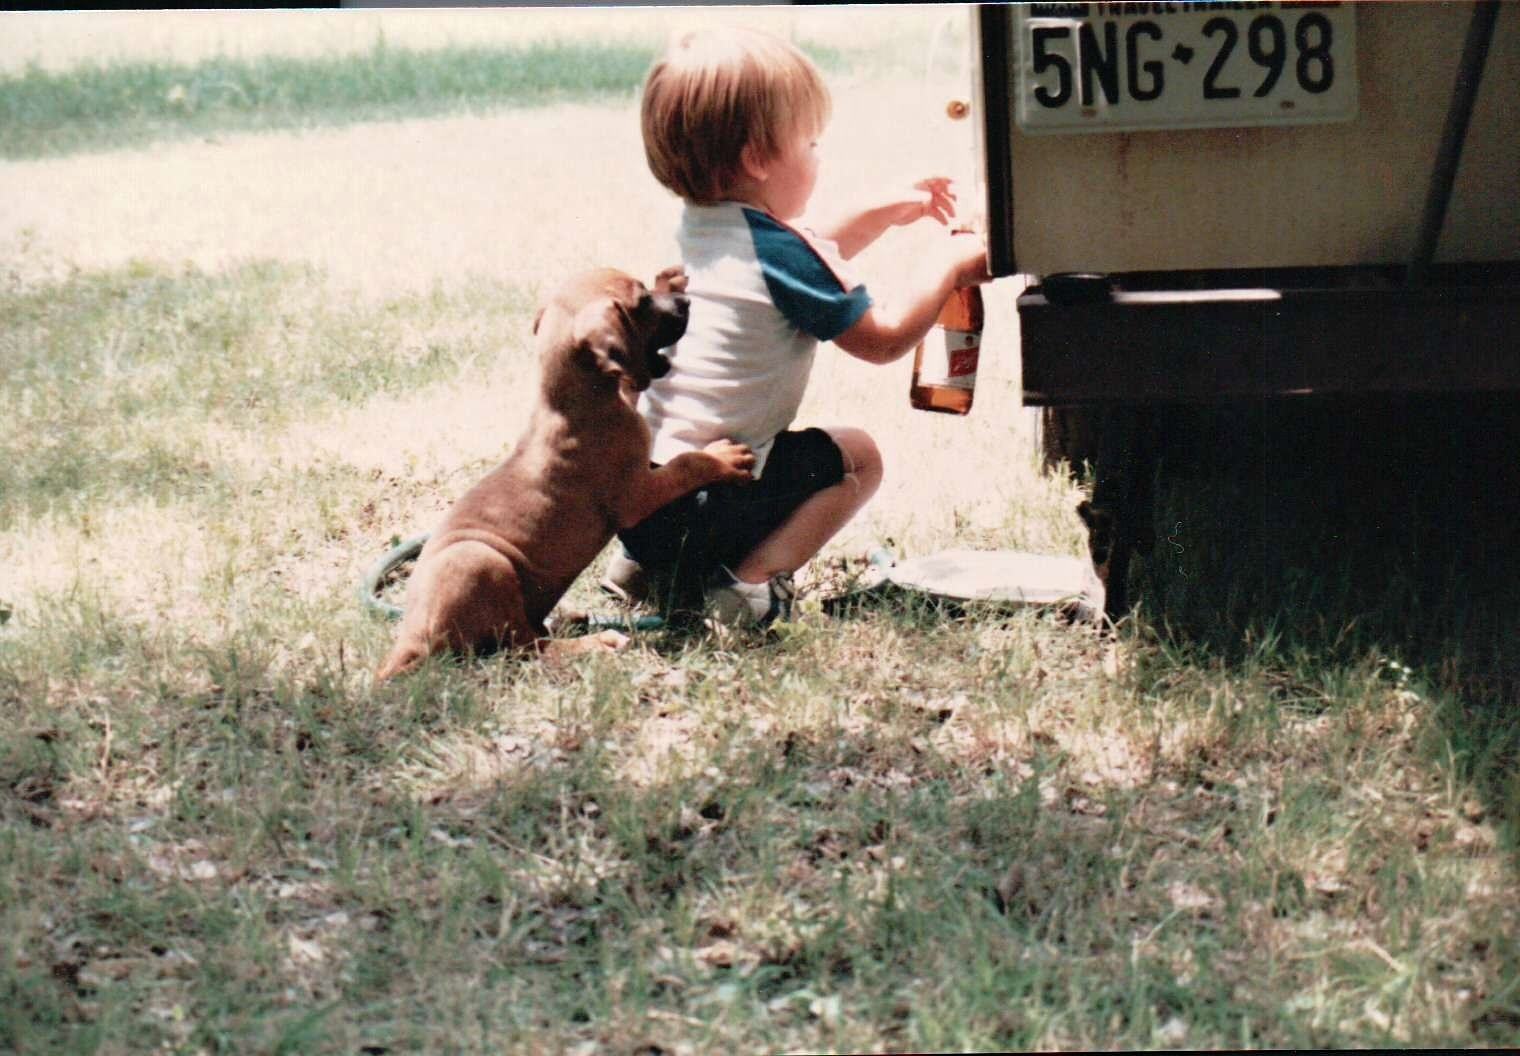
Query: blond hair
(715, 92)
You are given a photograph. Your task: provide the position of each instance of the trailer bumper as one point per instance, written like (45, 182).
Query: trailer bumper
(1207, 337)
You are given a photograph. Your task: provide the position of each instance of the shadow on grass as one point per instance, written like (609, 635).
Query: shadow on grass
(473, 853)
(1343, 529)
(564, 902)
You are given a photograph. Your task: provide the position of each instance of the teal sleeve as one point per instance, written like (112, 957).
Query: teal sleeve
(802, 285)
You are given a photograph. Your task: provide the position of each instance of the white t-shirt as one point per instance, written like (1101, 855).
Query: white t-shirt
(762, 296)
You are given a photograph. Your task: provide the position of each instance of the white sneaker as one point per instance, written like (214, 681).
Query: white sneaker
(734, 603)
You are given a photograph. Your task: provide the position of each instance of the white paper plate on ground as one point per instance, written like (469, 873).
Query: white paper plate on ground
(1001, 576)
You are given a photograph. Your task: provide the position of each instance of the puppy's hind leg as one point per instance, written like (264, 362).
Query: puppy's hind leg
(466, 599)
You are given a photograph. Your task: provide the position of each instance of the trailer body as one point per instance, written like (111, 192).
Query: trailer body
(1217, 201)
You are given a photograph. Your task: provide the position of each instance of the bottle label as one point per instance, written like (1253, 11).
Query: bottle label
(950, 358)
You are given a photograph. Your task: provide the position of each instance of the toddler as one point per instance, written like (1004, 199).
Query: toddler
(731, 121)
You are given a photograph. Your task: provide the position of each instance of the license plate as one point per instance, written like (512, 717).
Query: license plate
(1113, 67)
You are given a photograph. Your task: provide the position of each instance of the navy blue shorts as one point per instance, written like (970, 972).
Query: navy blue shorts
(721, 524)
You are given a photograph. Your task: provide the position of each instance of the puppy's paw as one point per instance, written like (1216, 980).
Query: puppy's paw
(611, 641)
(556, 651)
(671, 280)
(736, 460)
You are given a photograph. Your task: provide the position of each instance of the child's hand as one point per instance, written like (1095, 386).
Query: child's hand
(933, 198)
(737, 459)
(966, 257)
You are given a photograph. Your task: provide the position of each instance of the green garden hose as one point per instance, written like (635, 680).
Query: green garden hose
(380, 571)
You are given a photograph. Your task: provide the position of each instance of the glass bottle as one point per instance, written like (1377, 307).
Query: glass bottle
(944, 363)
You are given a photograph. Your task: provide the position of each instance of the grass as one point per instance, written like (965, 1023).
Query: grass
(905, 825)
(45, 113)
(1404, 549)
(113, 375)
(1277, 809)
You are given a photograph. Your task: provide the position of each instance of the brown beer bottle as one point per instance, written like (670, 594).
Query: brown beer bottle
(944, 363)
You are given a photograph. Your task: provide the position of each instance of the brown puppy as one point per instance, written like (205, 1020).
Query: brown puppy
(512, 545)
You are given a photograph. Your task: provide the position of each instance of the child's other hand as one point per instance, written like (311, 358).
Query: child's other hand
(737, 459)
(966, 257)
(933, 198)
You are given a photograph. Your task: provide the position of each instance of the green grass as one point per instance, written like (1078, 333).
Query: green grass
(111, 378)
(46, 113)
(1277, 809)
(906, 825)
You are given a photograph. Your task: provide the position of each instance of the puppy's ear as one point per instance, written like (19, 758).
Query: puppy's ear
(671, 280)
(599, 335)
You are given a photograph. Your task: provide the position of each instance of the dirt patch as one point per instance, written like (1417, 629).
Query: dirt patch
(379, 207)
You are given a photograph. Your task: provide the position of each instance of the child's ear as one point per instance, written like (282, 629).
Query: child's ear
(754, 166)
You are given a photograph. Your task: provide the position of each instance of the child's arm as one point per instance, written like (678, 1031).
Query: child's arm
(886, 332)
(856, 230)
